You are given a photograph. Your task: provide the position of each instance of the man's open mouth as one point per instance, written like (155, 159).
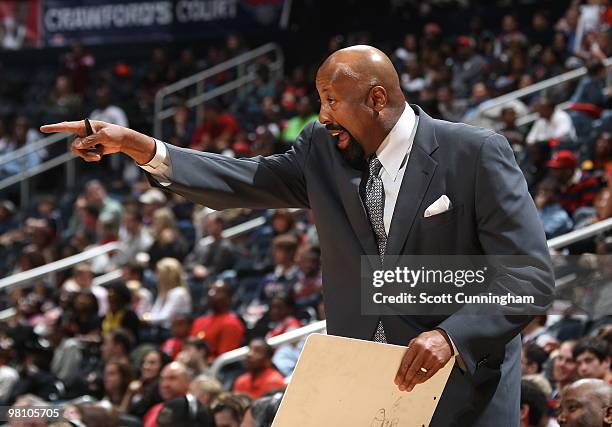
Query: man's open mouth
(342, 137)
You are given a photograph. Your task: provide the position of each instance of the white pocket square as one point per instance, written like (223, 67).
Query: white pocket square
(441, 205)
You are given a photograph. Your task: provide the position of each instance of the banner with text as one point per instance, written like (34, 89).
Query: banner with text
(107, 21)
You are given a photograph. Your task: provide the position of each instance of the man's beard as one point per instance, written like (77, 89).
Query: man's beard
(353, 154)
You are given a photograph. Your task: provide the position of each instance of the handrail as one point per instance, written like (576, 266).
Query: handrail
(581, 234)
(286, 338)
(36, 170)
(536, 87)
(197, 79)
(62, 264)
(31, 147)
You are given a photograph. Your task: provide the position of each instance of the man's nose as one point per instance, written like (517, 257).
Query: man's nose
(324, 116)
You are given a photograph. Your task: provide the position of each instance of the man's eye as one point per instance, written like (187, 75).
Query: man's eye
(330, 101)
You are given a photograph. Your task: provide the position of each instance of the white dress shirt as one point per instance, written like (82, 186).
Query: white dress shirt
(393, 154)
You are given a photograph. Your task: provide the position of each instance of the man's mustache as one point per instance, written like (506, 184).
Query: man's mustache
(331, 127)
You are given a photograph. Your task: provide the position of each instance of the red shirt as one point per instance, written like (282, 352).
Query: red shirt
(287, 324)
(226, 125)
(150, 418)
(172, 347)
(270, 379)
(222, 332)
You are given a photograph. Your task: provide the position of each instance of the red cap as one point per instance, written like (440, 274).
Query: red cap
(465, 41)
(563, 159)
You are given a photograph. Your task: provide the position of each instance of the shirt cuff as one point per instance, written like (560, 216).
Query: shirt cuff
(158, 165)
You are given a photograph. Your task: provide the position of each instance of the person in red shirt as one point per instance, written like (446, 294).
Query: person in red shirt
(261, 377)
(221, 329)
(173, 383)
(282, 308)
(216, 131)
(180, 329)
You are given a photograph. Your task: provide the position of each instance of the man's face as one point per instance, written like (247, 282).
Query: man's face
(564, 367)
(173, 383)
(256, 357)
(578, 408)
(344, 115)
(589, 366)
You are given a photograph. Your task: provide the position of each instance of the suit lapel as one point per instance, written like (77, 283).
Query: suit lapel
(348, 183)
(419, 172)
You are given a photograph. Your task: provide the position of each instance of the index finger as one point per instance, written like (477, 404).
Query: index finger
(77, 127)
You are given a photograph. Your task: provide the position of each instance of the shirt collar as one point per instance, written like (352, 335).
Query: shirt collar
(397, 144)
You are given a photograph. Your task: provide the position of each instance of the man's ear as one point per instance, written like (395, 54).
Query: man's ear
(377, 98)
(608, 415)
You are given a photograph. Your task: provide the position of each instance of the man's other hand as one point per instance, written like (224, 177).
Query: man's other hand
(431, 350)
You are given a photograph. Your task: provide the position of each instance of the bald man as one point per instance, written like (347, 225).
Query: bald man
(586, 403)
(369, 169)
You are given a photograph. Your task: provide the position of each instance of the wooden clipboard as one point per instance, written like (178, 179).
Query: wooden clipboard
(345, 382)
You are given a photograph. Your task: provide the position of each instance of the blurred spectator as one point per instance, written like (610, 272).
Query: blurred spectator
(133, 236)
(533, 359)
(179, 131)
(592, 356)
(8, 220)
(282, 315)
(152, 200)
(295, 125)
(589, 97)
(541, 34)
(480, 94)
(208, 259)
(552, 124)
(143, 393)
(117, 376)
(167, 240)
(77, 64)
(21, 136)
(262, 411)
(184, 411)
(106, 111)
(173, 384)
(261, 377)
(228, 410)
(221, 329)
(307, 289)
(172, 295)
(179, 331)
(510, 36)
(509, 129)
(117, 345)
(63, 103)
(534, 406)
(205, 389)
(8, 374)
(82, 279)
(120, 314)
(554, 218)
(450, 108)
(285, 274)
(142, 298)
(586, 403)
(602, 155)
(564, 368)
(577, 189)
(195, 354)
(602, 209)
(217, 128)
(466, 70)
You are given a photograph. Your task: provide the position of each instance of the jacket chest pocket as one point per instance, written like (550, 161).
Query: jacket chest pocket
(443, 219)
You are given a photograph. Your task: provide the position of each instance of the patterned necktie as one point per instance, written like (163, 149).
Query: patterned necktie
(375, 205)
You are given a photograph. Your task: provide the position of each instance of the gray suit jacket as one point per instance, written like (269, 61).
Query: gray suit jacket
(492, 213)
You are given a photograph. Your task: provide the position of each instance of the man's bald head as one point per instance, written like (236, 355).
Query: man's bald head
(361, 100)
(586, 403)
(366, 66)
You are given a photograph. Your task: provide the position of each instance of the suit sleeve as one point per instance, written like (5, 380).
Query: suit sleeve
(513, 239)
(222, 182)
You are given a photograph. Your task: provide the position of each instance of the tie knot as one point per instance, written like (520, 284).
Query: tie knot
(374, 165)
